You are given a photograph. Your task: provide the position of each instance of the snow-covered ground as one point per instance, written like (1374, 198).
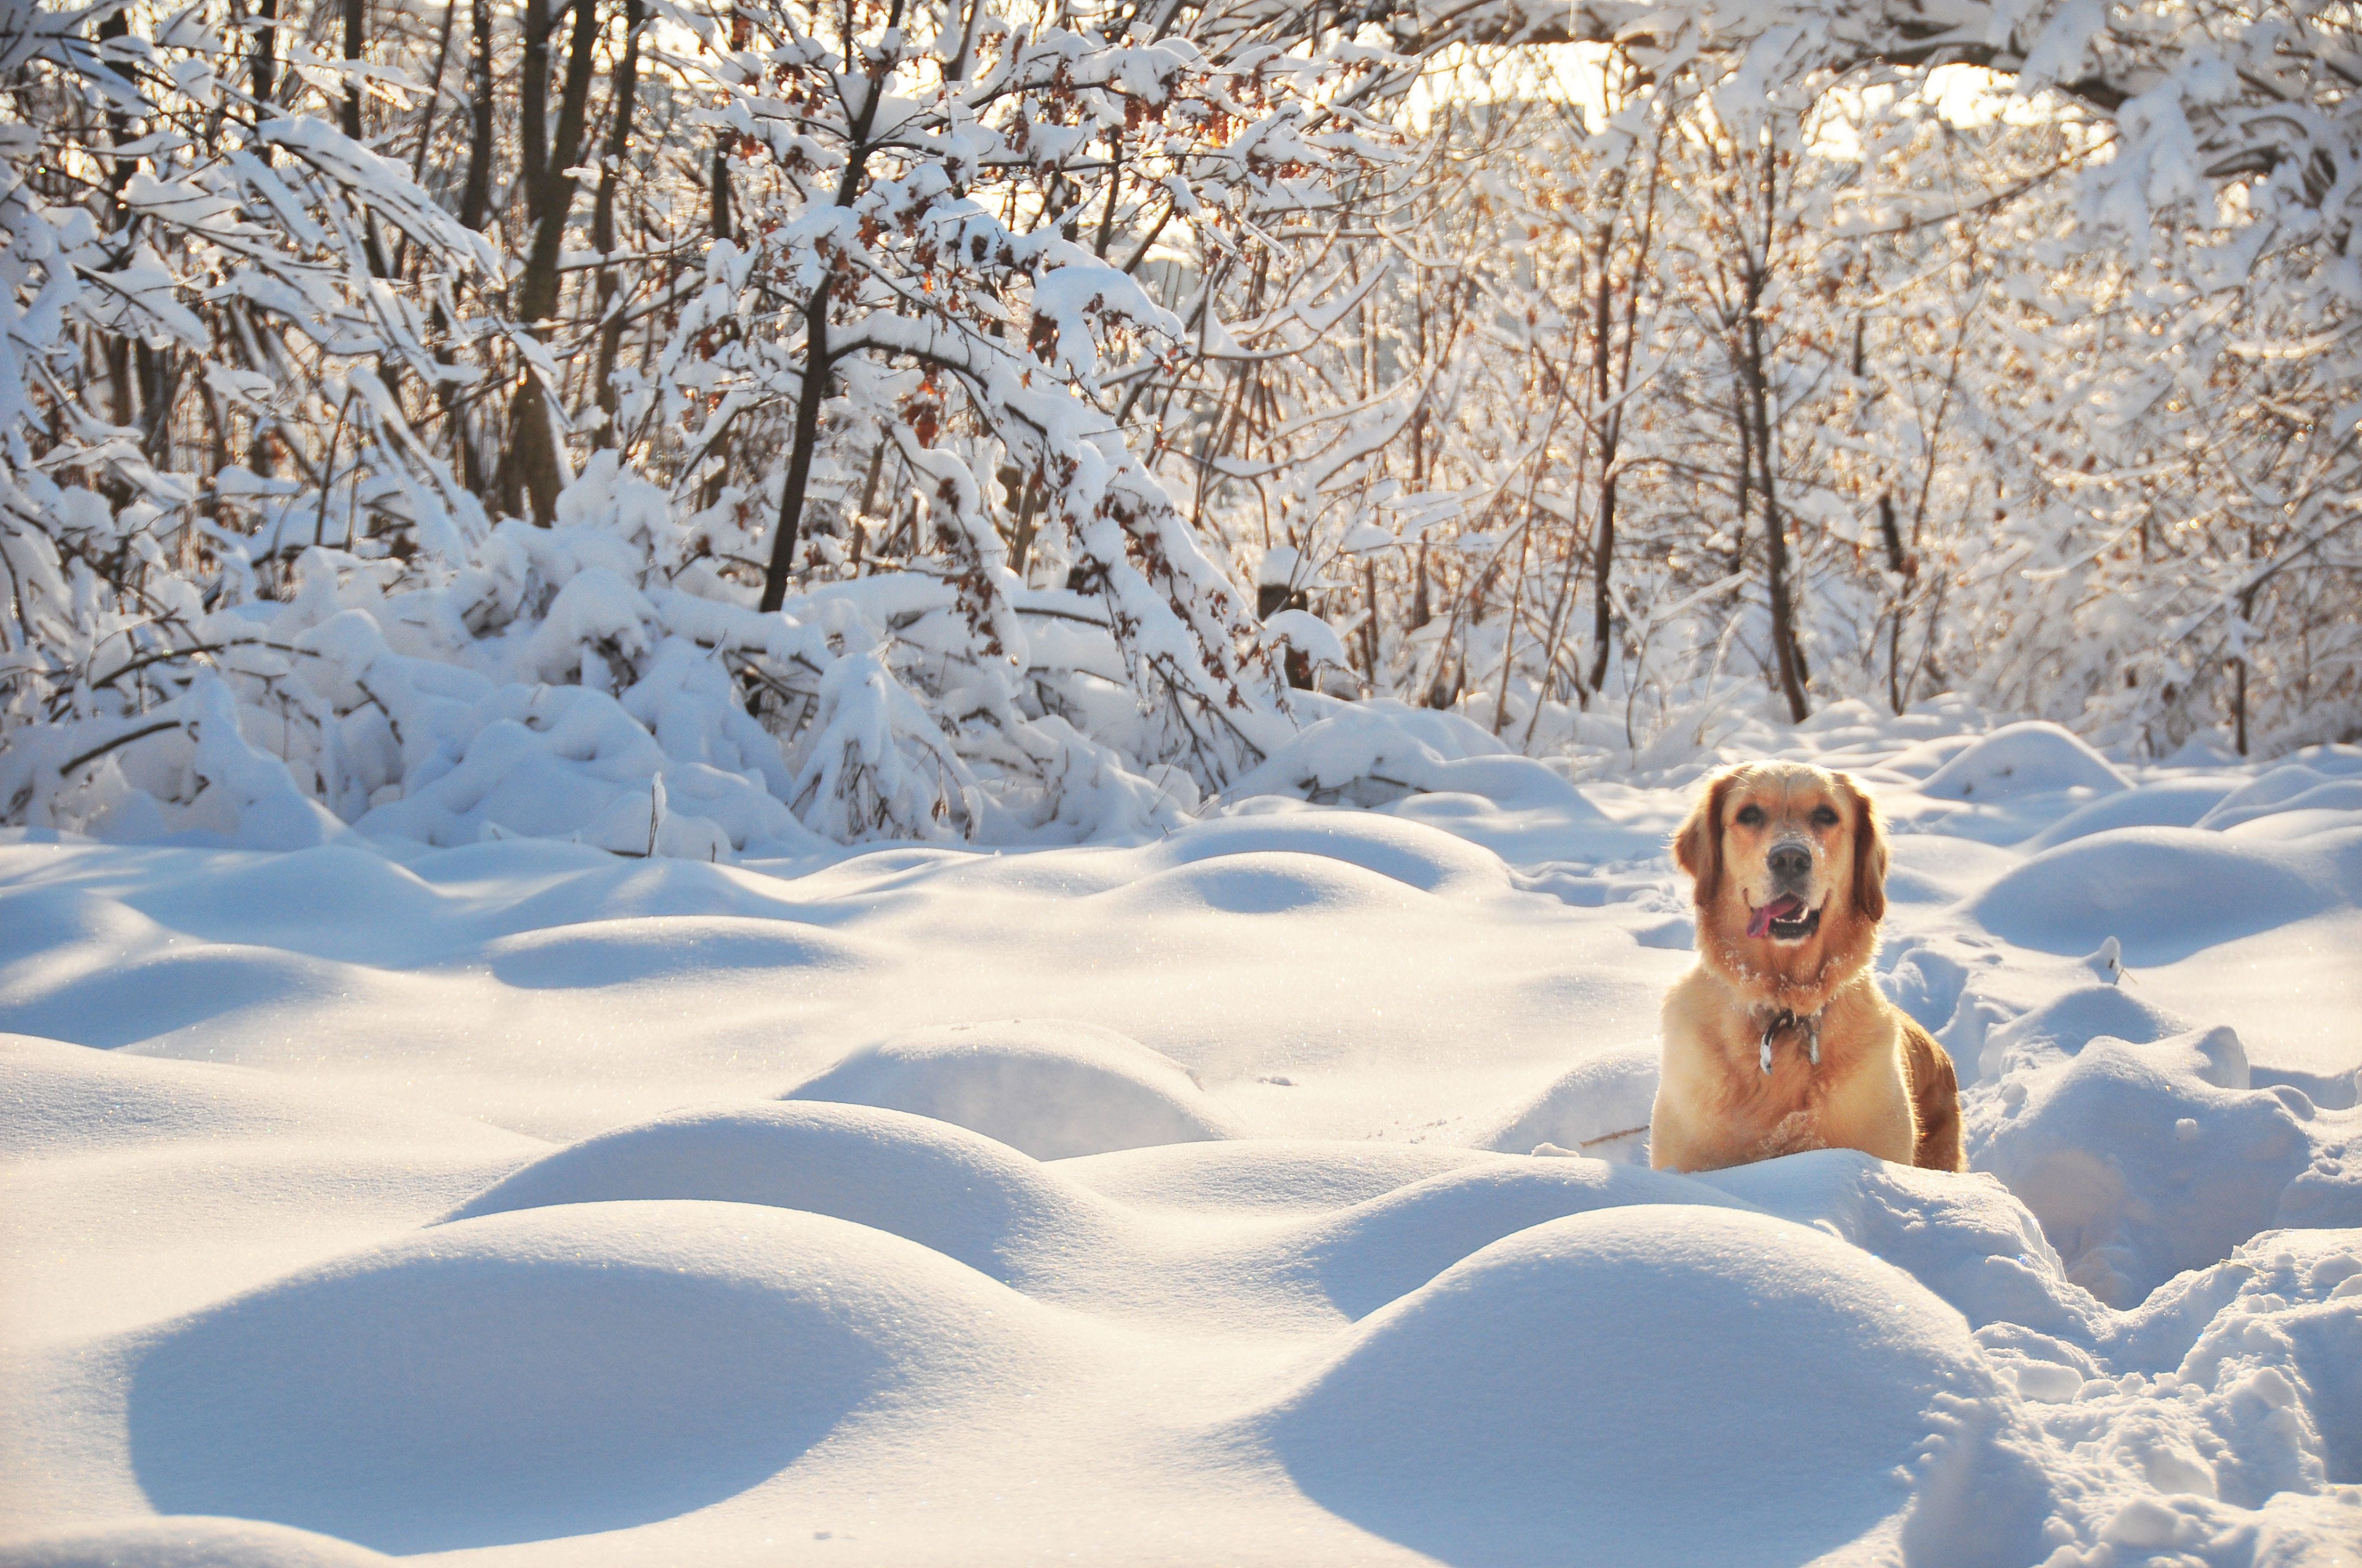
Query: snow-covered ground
(1178, 1202)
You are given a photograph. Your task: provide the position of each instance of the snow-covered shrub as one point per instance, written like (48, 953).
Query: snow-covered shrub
(901, 478)
(248, 516)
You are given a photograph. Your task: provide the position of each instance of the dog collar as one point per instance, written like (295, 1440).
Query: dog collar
(1809, 1022)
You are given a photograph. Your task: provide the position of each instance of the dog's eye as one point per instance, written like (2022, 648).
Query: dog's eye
(1750, 816)
(1826, 817)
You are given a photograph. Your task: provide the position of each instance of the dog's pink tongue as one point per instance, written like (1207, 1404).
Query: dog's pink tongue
(1786, 907)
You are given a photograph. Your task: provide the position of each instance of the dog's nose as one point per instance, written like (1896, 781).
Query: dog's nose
(1791, 862)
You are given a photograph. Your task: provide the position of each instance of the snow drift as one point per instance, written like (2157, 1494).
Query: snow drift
(1052, 1089)
(551, 1373)
(526, 1198)
(965, 1196)
(1519, 1401)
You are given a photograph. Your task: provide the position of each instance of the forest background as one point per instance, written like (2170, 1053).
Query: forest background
(693, 428)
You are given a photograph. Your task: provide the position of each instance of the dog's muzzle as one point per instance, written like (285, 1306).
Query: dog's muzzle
(1787, 917)
(1784, 919)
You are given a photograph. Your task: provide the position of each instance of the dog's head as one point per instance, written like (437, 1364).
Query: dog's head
(1790, 865)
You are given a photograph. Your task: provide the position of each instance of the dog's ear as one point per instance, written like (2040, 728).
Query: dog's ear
(1869, 853)
(1697, 843)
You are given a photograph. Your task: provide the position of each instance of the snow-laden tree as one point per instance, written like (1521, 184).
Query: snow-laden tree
(1895, 367)
(686, 427)
(2218, 220)
(275, 397)
(195, 384)
(919, 280)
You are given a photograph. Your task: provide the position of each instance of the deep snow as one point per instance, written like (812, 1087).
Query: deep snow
(1177, 1201)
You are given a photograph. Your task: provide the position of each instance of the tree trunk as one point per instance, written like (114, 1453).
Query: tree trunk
(533, 107)
(817, 360)
(1786, 654)
(1603, 560)
(427, 129)
(719, 194)
(262, 71)
(1784, 617)
(160, 375)
(1612, 437)
(475, 211)
(1745, 487)
(356, 30)
(1603, 553)
(537, 287)
(2239, 700)
(1895, 562)
(1509, 632)
(349, 120)
(2239, 673)
(1029, 498)
(602, 221)
(435, 94)
(534, 443)
(475, 204)
(122, 398)
(799, 462)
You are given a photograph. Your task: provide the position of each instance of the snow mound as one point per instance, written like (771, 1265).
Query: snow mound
(1520, 1408)
(2290, 788)
(664, 948)
(562, 884)
(2170, 802)
(2144, 1160)
(350, 906)
(146, 986)
(59, 1099)
(45, 926)
(1924, 982)
(336, 902)
(1391, 1245)
(1966, 1238)
(1052, 1088)
(1265, 1174)
(2028, 758)
(544, 1373)
(1599, 1108)
(964, 1195)
(1922, 758)
(2059, 1024)
(1249, 884)
(187, 1542)
(2167, 892)
(1417, 856)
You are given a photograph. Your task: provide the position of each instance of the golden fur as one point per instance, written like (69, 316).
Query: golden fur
(1882, 1084)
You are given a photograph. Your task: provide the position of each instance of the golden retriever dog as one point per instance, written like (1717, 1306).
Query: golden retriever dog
(1779, 1040)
